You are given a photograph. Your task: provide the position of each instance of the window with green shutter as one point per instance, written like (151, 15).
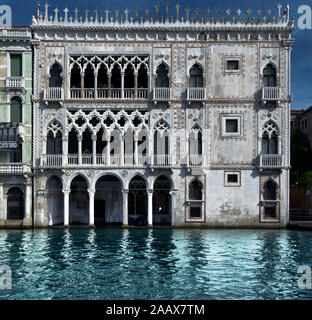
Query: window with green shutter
(16, 65)
(16, 109)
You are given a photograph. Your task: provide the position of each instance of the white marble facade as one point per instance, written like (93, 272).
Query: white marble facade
(160, 120)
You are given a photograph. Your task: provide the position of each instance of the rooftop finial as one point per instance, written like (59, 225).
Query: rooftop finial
(249, 17)
(187, 10)
(167, 11)
(86, 16)
(76, 15)
(269, 15)
(228, 12)
(239, 11)
(96, 11)
(178, 8)
(259, 16)
(66, 15)
(279, 8)
(136, 15)
(146, 14)
(207, 14)
(38, 9)
(46, 12)
(218, 11)
(117, 15)
(106, 15)
(157, 12)
(56, 10)
(197, 14)
(126, 13)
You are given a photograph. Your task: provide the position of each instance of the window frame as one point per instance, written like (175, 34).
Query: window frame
(239, 118)
(232, 184)
(237, 58)
(10, 63)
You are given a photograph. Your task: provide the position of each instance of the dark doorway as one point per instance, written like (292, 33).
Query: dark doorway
(15, 204)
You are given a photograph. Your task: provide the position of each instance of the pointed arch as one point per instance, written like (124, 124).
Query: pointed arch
(270, 189)
(196, 76)
(55, 72)
(162, 76)
(269, 75)
(270, 138)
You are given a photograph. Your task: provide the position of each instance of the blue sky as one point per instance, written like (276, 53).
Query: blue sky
(301, 54)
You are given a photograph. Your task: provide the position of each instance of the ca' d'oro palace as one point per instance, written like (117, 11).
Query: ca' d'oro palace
(162, 117)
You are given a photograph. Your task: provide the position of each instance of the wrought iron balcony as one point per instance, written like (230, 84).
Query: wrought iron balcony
(15, 82)
(10, 133)
(270, 161)
(196, 94)
(271, 94)
(161, 95)
(53, 94)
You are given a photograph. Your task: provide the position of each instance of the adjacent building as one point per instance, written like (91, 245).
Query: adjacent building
(176, 120)
(15, 127)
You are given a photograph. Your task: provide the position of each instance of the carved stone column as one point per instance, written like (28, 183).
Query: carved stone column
(122, 85)
(173, 200)
(109, 84)
(93, 137)
(135, 84)
(108, 149)
(79, 149)
(82, 84)
(65, 150)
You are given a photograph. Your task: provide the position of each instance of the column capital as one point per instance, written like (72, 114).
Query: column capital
(66, 191)
(150, 191)
(125, 191)
(93, 136)
(91, 191)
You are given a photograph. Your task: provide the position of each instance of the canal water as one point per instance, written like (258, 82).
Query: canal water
(155, 264)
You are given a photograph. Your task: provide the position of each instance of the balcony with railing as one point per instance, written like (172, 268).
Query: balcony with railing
(60, 160)
(161, 95)
(162, 161)
(271, 94)
(14, 168)
(196, 94)
(15, 82)
(105, 93)
(195, 160)
(270, 161)
(53, 94)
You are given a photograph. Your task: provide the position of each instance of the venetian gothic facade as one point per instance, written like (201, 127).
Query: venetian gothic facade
(161, 120)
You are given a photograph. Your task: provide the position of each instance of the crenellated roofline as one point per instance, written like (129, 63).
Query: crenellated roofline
(113, 21)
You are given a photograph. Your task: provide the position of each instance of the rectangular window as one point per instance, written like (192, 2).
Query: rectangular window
(270, 212)
(16, 65)
(232, 179)
(232, 65)
(16, 156)
(231, 125)
(195, 212)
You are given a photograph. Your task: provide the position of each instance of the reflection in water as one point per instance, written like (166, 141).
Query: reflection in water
(155, 264)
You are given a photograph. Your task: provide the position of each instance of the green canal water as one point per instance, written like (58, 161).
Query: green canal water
(155, 264)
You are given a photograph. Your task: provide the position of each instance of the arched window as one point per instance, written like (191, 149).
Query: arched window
(15, 204)
(269, 139)
(75, 77)
(195, 190)
(196, 77)
(269, 190)
(269, 76)
(161, 138)
(54, 143)
(54, 138)
(55, 80)
(162, 80)
(16, 110)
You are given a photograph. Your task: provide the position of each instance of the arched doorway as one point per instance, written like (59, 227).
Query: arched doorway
(79, 202)
(137, 202)
(55, 201)
(108, 201)
(15, 204)
(162, 201)
(195, 198)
